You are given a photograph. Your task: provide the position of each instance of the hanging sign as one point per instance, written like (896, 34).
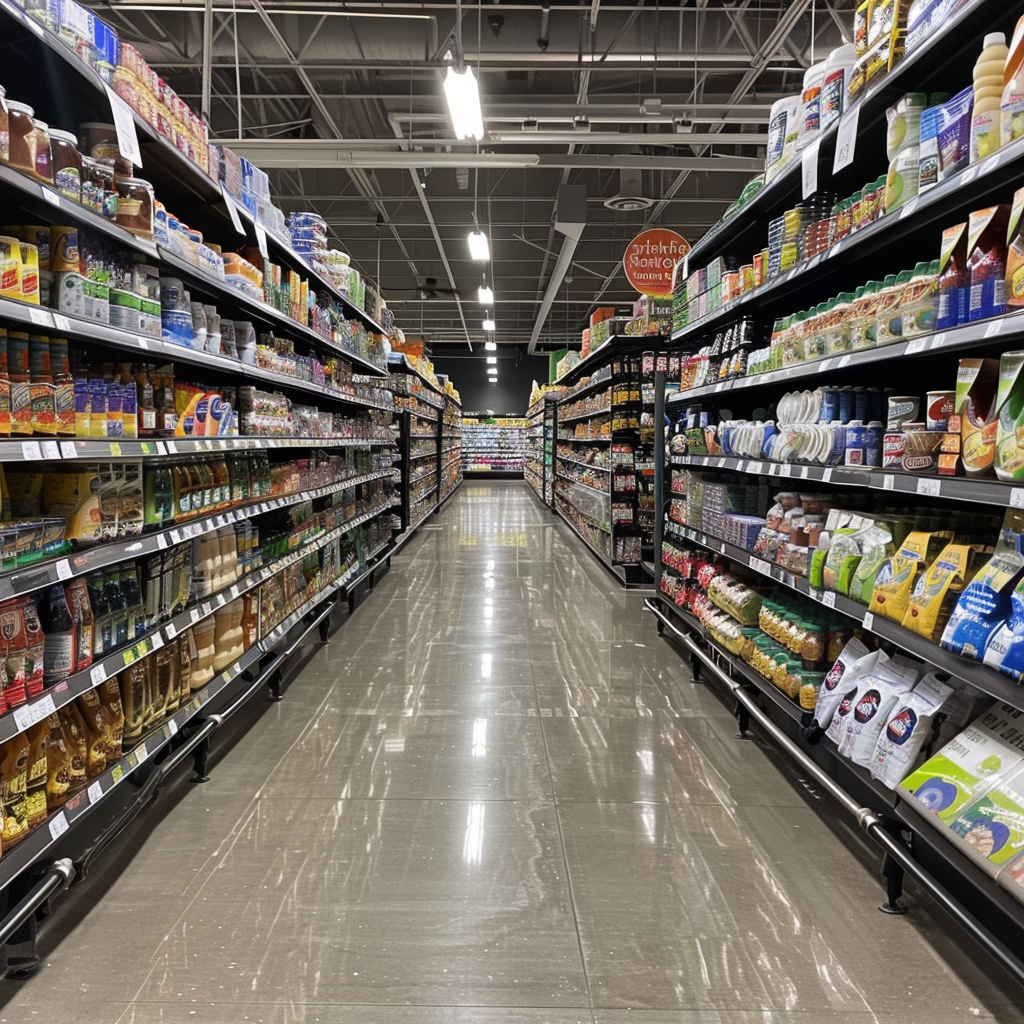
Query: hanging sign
(650, 259)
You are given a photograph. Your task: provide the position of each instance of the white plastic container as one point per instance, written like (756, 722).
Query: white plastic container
(782, 134)
(988, 95)
(810, 105)
(836, 83)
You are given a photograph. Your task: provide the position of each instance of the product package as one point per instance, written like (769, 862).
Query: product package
(992, 825)
(939, 588)
(897, 576)
(854, 660)
(977, 383)
(1009, 456)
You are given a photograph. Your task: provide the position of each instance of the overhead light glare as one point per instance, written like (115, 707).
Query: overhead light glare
(490, 325)
(485, 295)
(479, 249)
(490, 346)
(463, 96)
(491, 361)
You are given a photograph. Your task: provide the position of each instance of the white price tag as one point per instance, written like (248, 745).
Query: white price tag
(124, 125)
(195, 614)
(161, 448)
(30, 451)
(826, 475)
(761, 566)
(932, 487)
(844, 361)
(810, 170)
(908, 208)
(141, 753)
(175, 537)
(757, 467)
(51, 197)
(1017, 497)
(142, 341)
(938, 341)
(172, 448)
(68, 450)
(828, 599)
(803, 473)
(916, 345)
(161, 541)
(50, 449)
(172, 727)
(40, 317)
(98, 674)
(170, 631)
(869, 620)
(846, 138)
(773, 470)
(23, 717)
(61, 323)
(261, 241)
(58, 825)
(229, 202)
(888, 481)
(786, 470)
(64, 570)
(994, 328)
(721, 548)
(95, 792)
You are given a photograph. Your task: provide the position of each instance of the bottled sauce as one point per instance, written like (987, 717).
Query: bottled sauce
(131, 594)
(165, 696)
(95, 728)
(110, 695)
(250, 620)
(59, 644)
(184, 649)
(989, 84)
(203, 633)
(14, 755)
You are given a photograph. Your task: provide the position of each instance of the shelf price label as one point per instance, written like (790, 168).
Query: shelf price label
(124, 125)
(51, 197)
(916, 345)
(761, 566)
(888, 482)
(1017, 497)
(869, 621)
(95, 793)
(846, 139)
(30, 451)
(261, 241)
(994, 328)
(58, 825)
(930, 487)
(810, 171)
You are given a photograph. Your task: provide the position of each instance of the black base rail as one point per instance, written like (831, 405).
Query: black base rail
(878, 827)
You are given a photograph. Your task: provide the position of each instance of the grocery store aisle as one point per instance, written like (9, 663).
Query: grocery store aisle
(497, 797)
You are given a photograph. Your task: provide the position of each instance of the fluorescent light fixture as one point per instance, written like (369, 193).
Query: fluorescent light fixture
(492, 380)
(478, 247)
(491, 360)
(490, 346)
(490, 325)
(463, 96)
(485, 295)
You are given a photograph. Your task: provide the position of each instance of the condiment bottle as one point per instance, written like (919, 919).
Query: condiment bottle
(989, 84)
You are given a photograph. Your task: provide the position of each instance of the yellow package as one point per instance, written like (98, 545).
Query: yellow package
(861, 26)
(23, 494)
(897, 576)
(939, 589)
(43, 409)
(76, 496)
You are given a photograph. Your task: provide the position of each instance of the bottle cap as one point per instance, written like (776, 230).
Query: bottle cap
(995, 39)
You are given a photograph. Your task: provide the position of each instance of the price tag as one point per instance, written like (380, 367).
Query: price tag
(721, 549)
(50, 449)
(195, 615)
(1017, 497)
(756, 467)
(115, 449)
(170, 631)
(826, 365)
(916, 345)
(172, 727)
(229, 202)
(761, 566)
(117, 774)
(161, 448)
(64, 570)
(786, 470)
(23, 717)
(98, 674)
(828, 599)
(908, 208)
(95, 792)
(68, 450)
(51, 197)
(826, 474)
(261, 241)
(994, 328)
(938, 341)
(869, 620)
(161, 541)
(58, 825)
(888, 482)
(836, 249)
(30, 451)
(172, 448)
(773, 470)
(61, 323)
(932, 487)
(810, 170)
(124, 125)
(846, 138)
(141, 753)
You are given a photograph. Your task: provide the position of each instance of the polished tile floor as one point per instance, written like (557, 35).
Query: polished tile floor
(498, 798)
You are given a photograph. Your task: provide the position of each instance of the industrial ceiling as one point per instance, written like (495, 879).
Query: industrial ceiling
(658, 109)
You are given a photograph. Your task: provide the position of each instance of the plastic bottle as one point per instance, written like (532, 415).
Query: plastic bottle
(1011, 112)
(989, 84)
(921, 300)
(810, 105)
(890, 312)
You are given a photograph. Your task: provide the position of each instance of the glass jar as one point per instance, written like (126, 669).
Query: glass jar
(44, 161)
(814, 648)
(67, 164)
(5, 130)
(106, 193)
(135, 203)
(21, 137)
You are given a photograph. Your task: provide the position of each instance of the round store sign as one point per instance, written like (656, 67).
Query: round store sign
(650, 258)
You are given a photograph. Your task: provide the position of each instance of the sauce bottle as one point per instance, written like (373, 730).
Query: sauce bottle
(59, 644)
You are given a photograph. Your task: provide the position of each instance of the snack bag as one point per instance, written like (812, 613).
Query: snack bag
(841, 681)
(897, 576)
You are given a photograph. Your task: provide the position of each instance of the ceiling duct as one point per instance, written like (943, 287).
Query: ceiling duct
(630, 196)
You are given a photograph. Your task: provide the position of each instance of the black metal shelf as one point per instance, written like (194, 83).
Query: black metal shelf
(585, 415)
(977, 491)
(579, 483)
(580, 462)
(604, 439)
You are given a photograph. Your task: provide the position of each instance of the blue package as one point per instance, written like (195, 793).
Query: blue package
(955, 133)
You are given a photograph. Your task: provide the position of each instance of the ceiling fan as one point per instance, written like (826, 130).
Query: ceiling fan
(428, 290)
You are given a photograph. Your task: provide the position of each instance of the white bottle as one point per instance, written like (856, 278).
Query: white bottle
(782, 135)
(836, 83)
(810, 105)
(988, 96)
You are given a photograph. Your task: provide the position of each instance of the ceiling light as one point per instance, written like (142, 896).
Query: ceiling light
(478, 247)
(490, 346)
(491, 360)
(485, 295)
(490, 325)
(493, 380)
(463, 96)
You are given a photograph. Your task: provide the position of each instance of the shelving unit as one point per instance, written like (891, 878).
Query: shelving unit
(494, 445)
(541, 438)
(924, 363)
(604, 468)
